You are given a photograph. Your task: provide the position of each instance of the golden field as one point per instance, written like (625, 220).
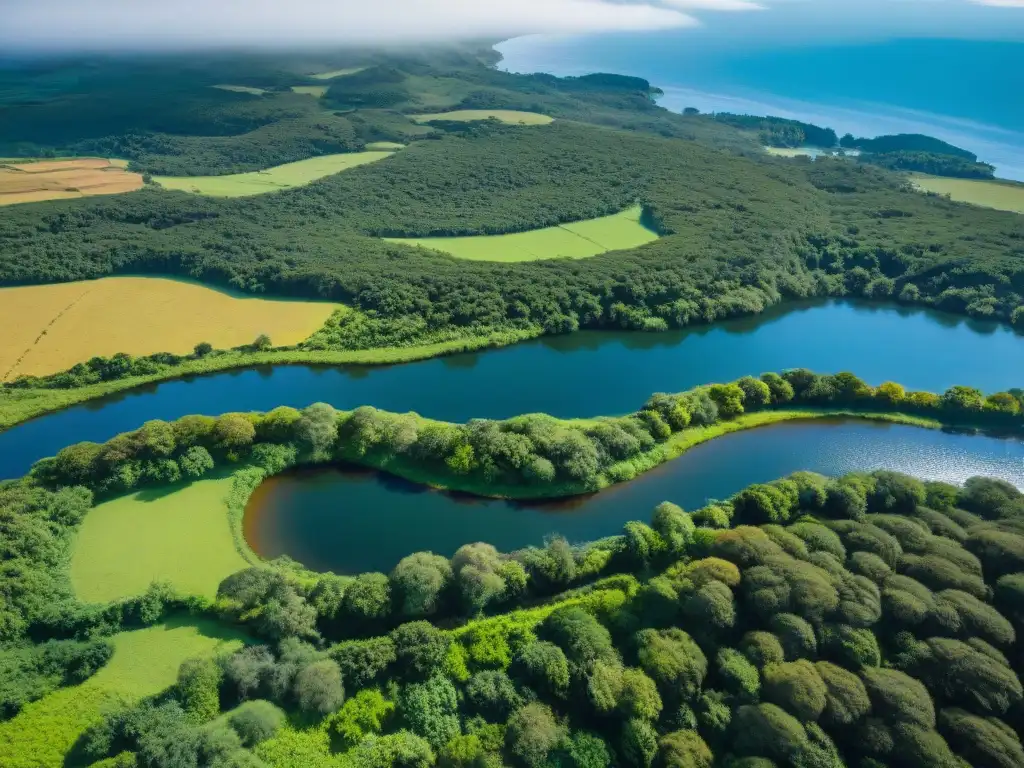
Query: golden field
(31, 182)
(49, 328)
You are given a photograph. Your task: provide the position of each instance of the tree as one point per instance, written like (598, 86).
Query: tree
(981, 740)
(604, 686)
(756, 394)
(419, 581)
(846, 698)
(395, 750)
(963, 399)
(532, 733)
(897, 697)
(478, 571)
(580, 636)
(364, 714)
(543, 666)
(639, 697)
(740, 677)
(202, 349)
(317, 429)
(198, 688)
(196, 461)
(420, 648)
(728, 398)
(796, 636)
(318, 687)
(683, 749)
(796, 687)
(368, 597)
(233, 431)
(430, 710)
(711, 607)
(762, 648)
(674, 526)
(363, 662)
(767, 730)
(491, 693)
(673, 660)
(256, 721)
(262, 343)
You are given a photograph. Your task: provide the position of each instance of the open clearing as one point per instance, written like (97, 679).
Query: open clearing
(578, 240)
(317, 91)
(180, 534)
(241, 89)
(271, 180)
(31, 182)
(336, 73)
(384, 146)
(504, 115)
(999, 194)
(144, 663)
(49, 328)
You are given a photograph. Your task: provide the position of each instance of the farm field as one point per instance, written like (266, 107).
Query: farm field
(179, 534)
(998, 194)
(144, 663)
(578, 240)
(49, 328)
(316, 91)
(285, 176)
(384, 146)
(511, 116)
(30, 182)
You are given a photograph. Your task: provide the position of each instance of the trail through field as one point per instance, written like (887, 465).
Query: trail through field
(42, 333)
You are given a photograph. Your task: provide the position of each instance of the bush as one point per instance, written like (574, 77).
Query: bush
(543, 667)
(363, 714)
(420, 649)
(796, 687)
(532, 734)
(256, 721)
(318, 687)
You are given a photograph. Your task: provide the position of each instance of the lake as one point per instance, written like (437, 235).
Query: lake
(583, 374)
(351, 521)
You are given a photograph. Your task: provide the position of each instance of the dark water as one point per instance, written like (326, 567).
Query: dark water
(353, 521)
(584, 374)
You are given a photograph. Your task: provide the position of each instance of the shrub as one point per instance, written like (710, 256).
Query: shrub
(420, 648)
(797, 687)
(430, 710)
(532, 734)
(365, 713)
(318, 687)
(256, 721)
(544, 667)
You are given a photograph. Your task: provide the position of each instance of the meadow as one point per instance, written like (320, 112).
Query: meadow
(577, 240)
(511, 116)
(145, 662)
(336, 73)
(179, 534)
(998, 194)
(241, 89)
(30, 182)
(316, 91)
(271, 180)
(49, 328)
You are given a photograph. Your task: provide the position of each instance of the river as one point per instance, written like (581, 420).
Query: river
(350, 520)
(582, 374)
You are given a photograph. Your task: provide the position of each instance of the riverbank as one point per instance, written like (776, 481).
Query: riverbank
(20, 405)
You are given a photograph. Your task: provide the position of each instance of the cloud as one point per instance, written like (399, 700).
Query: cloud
(1000, 3)
(170, 24)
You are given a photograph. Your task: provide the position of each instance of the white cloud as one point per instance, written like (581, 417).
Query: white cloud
(1000, 3)
(162, 24)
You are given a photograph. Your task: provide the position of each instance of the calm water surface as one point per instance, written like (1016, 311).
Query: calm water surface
(584, 374)
(353, 521)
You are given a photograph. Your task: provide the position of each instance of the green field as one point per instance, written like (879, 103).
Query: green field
(145, 662)
(241, 89)
(336, 73)
(181, 534)
(271, 180)
(384, 146)
(998, 194)
(578, 240)
(316, 91)
(512, 116)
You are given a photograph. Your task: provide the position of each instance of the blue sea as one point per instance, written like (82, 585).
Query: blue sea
(967, 92)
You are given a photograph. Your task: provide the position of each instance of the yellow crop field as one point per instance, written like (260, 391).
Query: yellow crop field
(271, 180)
(998, 194)
(336, 73)
(181, 535)
(511, 116)
(49, 328)
(31, 182)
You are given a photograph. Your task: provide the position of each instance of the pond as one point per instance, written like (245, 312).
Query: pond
(349, 521)
(582, 374)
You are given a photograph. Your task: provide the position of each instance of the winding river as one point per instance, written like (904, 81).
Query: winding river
(350, 521)
(584, 374)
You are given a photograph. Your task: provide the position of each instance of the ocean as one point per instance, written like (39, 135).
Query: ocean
(967, 92)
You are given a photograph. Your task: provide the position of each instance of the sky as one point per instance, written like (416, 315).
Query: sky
(111, 25)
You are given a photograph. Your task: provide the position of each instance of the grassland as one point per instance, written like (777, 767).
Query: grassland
(336, 73)
(316, 91)
(48, 328)
(31, 182)
(271, 180)
(384, 146)
(997, 193)
(511, 116)
(144, 663)
(578, 240)
(180, 534)
(241, 89)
